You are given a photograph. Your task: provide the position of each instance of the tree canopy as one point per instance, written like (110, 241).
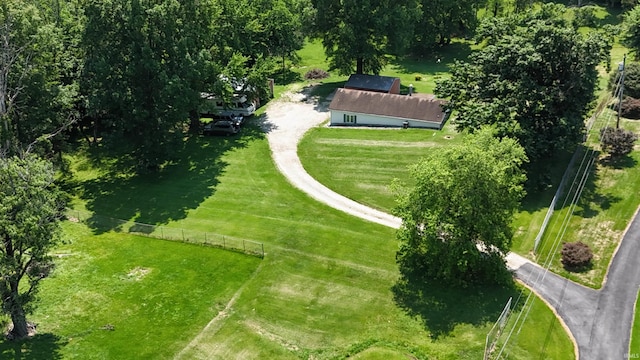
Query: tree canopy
(631, 30)
(456, 220)
(30, 211)
(534, 78)
(38, 68)
(358, 35)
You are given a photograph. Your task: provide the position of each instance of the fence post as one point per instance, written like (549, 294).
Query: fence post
(262, 246)
(205, 238)
(182, 234)
(244, 247)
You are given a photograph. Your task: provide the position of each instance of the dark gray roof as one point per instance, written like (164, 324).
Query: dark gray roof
(391, 105)
(370, 82)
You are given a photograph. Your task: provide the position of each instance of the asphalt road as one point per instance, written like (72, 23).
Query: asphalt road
(599, 320)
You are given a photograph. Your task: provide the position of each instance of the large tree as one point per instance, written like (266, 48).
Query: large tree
(456, 220)
(534, 78)
(30, 211)
(357, 35)
(145, 66)
(441, 20)
(37, 86)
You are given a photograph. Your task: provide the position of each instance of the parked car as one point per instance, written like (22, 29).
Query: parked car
(237, 119)
(221, 127)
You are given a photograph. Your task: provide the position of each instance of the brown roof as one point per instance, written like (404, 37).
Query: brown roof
(392, 105)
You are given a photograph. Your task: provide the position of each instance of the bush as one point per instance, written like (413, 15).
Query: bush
(316, 74)
(576, 255)
(617, 142)
(630, 108)
(631, 80)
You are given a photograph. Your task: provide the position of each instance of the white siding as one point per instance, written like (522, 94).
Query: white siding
(337, 118)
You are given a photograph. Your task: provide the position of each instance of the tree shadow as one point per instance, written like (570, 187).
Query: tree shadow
(613, 17)
(324, 89)
(441, 308)
(436, 61)
(619, 163)
(39, 346)
(287, 77)
(592, 199)
(167, 195)
(543, 179)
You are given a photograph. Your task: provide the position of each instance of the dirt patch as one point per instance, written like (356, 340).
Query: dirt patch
(255, 327)
(376, 143)
(137, 273)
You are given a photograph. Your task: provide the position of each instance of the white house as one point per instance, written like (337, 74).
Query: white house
(355, 107)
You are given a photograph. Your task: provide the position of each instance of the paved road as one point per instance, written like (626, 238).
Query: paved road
(599, 320)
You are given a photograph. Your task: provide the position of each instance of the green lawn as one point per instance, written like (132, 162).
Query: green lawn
(634, 346)
(325, 289)
(362, 163)
(421, 72)
(117, 296)
(602, 214)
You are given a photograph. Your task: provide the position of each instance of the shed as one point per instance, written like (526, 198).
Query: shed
(355, 107)
(383, 84)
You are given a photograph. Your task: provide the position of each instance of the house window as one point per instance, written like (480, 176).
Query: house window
(349, 119)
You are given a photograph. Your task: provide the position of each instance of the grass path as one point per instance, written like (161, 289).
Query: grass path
(216, 323)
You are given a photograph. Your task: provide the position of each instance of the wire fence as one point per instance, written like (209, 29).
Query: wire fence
(105, 223)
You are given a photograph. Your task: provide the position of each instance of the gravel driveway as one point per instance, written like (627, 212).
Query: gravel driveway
(599, 319)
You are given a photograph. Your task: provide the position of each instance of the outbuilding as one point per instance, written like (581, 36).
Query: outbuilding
(369, 108)
(376, 83)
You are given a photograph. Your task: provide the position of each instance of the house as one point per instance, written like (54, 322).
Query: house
(382, 84)
(369, 108)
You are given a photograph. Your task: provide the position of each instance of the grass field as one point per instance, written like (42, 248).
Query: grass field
(326, 288)
(115, 296)
(362, 163)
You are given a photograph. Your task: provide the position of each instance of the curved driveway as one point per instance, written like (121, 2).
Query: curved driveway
(599, 320)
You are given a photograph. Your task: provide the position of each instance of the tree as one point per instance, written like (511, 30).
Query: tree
(30, 212)
(359, 34)
(534, 78)
(36, 92)
(617, 142)
(145, 67)
(282, 30)
(456, 220)
(631, 80)
(441, 20)
(630, 32)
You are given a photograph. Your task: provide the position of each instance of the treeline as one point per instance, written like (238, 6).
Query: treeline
(126, 75)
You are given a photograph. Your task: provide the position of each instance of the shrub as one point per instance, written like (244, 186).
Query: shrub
(576, 255)
(617, 142)
(630, 108)
(316, 74)
(631, 80)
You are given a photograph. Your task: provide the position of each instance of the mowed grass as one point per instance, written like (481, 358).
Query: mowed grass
(118, 296)
(634, 345)
(325, 288)
(420, 71)
(600, 217)
(361, 164)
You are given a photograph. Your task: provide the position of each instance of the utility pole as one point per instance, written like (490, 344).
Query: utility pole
(621, 68)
